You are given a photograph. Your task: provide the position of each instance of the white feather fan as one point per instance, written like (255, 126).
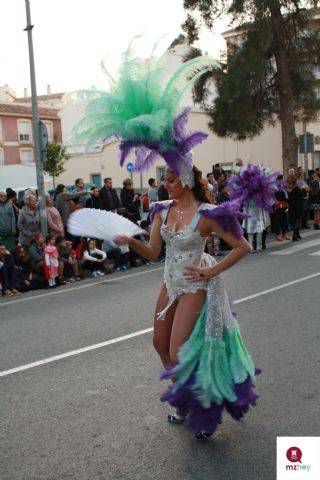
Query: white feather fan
(89, 222)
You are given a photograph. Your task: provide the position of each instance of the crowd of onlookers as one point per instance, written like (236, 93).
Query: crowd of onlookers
(295, 206)
(29, 261)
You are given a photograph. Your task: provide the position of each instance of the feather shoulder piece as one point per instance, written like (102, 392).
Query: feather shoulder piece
(157, 207)
(227, 215)
(253, 184)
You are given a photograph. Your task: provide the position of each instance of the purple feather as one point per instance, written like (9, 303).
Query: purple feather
(253, 184)
(227, 215)
(176, 155)
(125, 150)
(145, 158)
(191, 141)
(158, 207)
(180, 122)
(185, 399)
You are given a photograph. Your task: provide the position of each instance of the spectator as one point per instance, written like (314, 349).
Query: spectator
(67, 256)
(212, 186)
(291, 174)
(79, 188)
(93, 259)
(26, 279)
(216, 170)
(51, 262)
(36, 253)
(115, 253)
(152, 191)
(26, 193)
(62, 200)
(13, 199)
(162, 191)
(29, 220)
(109, 196)
(130, 201)
(55, 225)
(314, 199)
(279, 215)
(8, 273)
(295, 196)
(311, 177)
(95, 200)
(305, 204)
(239, 162)
(8, 226)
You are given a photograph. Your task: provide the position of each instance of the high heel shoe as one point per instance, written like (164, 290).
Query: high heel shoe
(202, 435)
(175, 418)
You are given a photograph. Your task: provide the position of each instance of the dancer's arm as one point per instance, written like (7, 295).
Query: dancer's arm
(240, 247)
(151, 250)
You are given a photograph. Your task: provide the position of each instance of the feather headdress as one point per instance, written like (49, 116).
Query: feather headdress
(141, 109)
(253, 183)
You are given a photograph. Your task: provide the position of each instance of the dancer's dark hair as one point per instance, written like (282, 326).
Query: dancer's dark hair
(200, 189)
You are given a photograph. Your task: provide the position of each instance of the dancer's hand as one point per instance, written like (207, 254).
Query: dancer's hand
(122, 240)
(196, 274)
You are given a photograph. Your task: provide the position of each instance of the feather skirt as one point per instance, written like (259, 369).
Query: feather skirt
(211, 376)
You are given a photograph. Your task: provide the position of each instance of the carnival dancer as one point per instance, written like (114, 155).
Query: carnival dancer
(51, 262)
(255, 188)
(195, 333)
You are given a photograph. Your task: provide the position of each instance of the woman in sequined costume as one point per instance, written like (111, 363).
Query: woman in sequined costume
(195, 334)
(192, 315)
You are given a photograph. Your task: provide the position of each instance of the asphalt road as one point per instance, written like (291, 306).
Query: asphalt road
(94, 412)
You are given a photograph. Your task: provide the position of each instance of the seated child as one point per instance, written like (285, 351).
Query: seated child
(68, 258)
(93, 259)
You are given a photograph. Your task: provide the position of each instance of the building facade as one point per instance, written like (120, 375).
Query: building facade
(16, 133)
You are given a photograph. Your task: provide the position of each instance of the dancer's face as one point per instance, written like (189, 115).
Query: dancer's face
(173, 185)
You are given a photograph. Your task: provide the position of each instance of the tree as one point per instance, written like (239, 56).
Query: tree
(269, 75)
(55, 157)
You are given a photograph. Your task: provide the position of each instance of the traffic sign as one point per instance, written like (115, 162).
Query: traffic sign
(130, 167)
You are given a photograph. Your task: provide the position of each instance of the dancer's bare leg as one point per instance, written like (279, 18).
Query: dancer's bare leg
(162, 328)
(185, 317)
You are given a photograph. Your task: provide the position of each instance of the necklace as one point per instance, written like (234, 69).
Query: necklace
(181, 213)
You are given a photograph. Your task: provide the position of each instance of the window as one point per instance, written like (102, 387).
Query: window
(96, 179)
(26, 156)
(49, 128)
(1, 156)
(24, 131)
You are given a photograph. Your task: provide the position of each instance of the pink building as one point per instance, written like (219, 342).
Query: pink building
(16, 132)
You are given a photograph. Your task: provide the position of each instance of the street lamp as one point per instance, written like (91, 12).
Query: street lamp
(36, 127)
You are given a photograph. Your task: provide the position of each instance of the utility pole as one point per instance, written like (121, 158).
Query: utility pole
(305, 163)
(36, 127)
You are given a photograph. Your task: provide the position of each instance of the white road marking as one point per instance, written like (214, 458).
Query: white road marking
(279, 287)
(73, 352)
(136, 334)
(13, 300)
(315, 254)
(297, 248)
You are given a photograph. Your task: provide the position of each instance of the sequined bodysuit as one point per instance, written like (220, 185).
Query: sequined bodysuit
(186, 247)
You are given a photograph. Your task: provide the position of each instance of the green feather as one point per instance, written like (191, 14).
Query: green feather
(141, 103)
(220, 364)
